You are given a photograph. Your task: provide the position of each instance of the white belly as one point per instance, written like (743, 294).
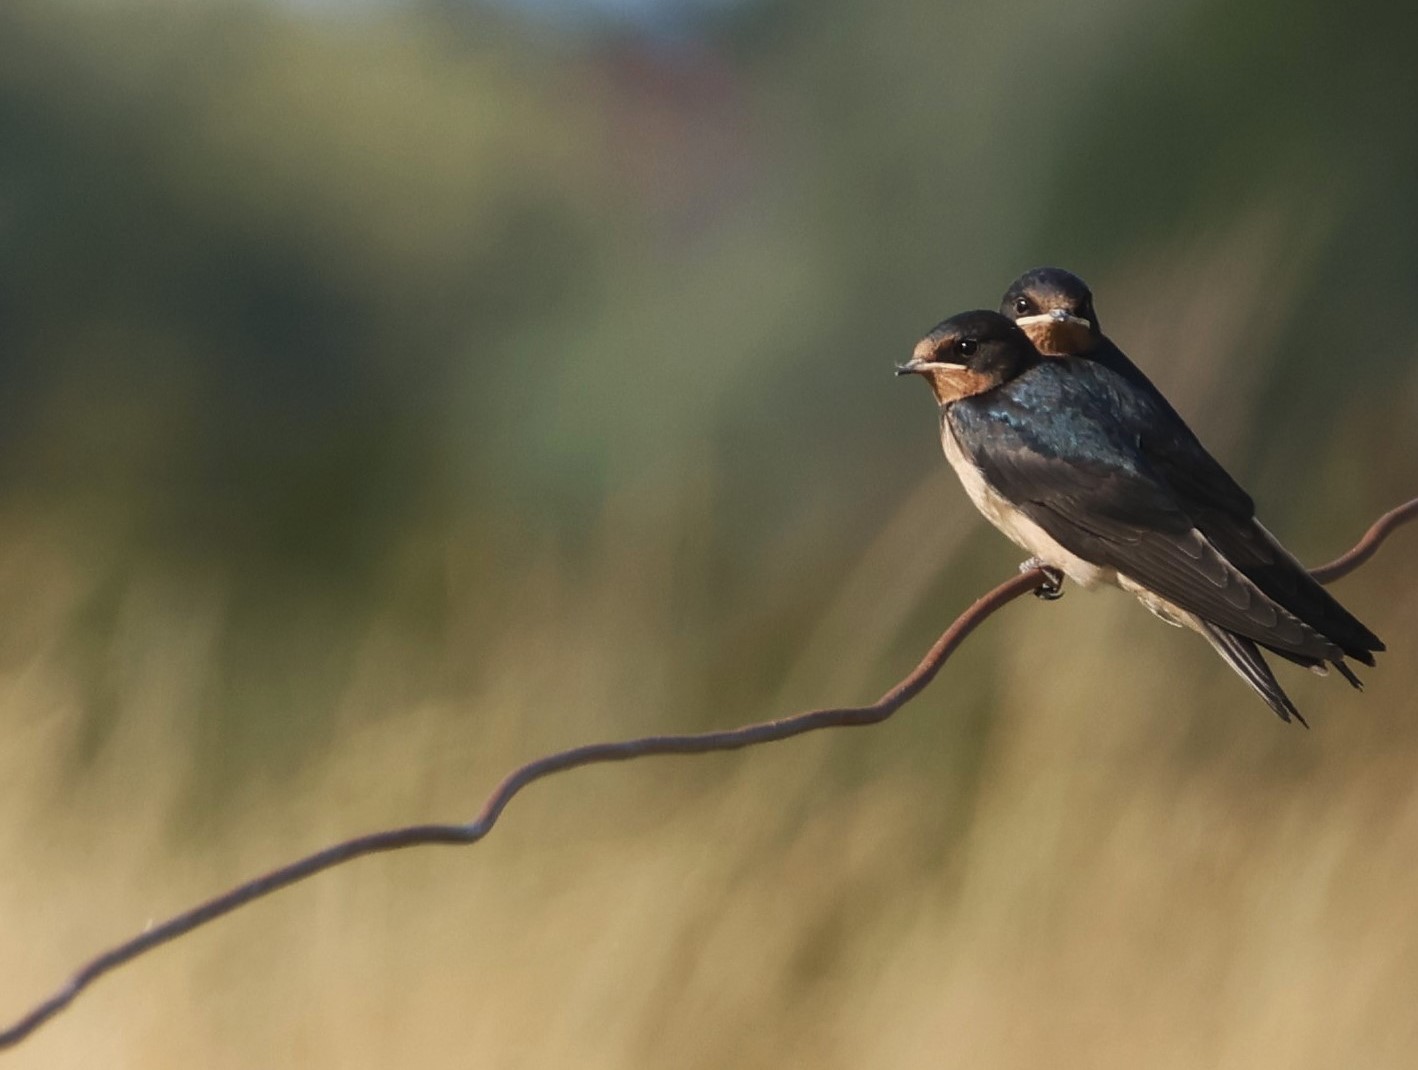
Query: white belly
(1018, 527)
(1024, 532)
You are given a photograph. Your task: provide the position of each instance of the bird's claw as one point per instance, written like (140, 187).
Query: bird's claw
(1051, 590)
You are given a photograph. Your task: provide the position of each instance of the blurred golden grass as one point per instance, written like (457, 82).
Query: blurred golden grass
(1144, 868)
(1086, 844)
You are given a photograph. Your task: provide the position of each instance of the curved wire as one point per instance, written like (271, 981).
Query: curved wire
(472, 831)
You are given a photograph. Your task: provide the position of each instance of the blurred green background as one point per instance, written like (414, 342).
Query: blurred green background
(391, 392)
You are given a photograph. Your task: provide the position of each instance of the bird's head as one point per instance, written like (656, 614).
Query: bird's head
(1054, 308)
(969, 354)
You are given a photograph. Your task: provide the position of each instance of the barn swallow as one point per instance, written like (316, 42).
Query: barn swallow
(1051, 451)
(1055, 308)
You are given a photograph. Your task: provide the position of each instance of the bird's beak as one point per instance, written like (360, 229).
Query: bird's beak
(914, 366)
(1053, 320)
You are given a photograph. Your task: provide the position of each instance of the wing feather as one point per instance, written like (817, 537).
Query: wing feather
(1068, 463)
(1225, 513)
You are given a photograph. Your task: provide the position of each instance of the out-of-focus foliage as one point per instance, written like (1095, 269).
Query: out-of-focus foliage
(391, 393)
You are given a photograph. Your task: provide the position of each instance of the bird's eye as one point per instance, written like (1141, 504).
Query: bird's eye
(966, 347)
(1022, 305)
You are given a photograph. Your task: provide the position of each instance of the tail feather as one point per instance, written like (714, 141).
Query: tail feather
(1319, 665)
(1245, 658)
(1348, 674)
(1272, 568)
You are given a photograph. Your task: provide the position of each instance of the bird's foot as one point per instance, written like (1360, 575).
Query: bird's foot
(1051, 590)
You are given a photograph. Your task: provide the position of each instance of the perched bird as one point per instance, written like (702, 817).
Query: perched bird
(1097, 477)
(1054, 308)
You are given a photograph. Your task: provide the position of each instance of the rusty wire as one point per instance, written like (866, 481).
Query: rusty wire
(730, 739)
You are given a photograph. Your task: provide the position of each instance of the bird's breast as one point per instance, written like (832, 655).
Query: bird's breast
(1008, 518)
